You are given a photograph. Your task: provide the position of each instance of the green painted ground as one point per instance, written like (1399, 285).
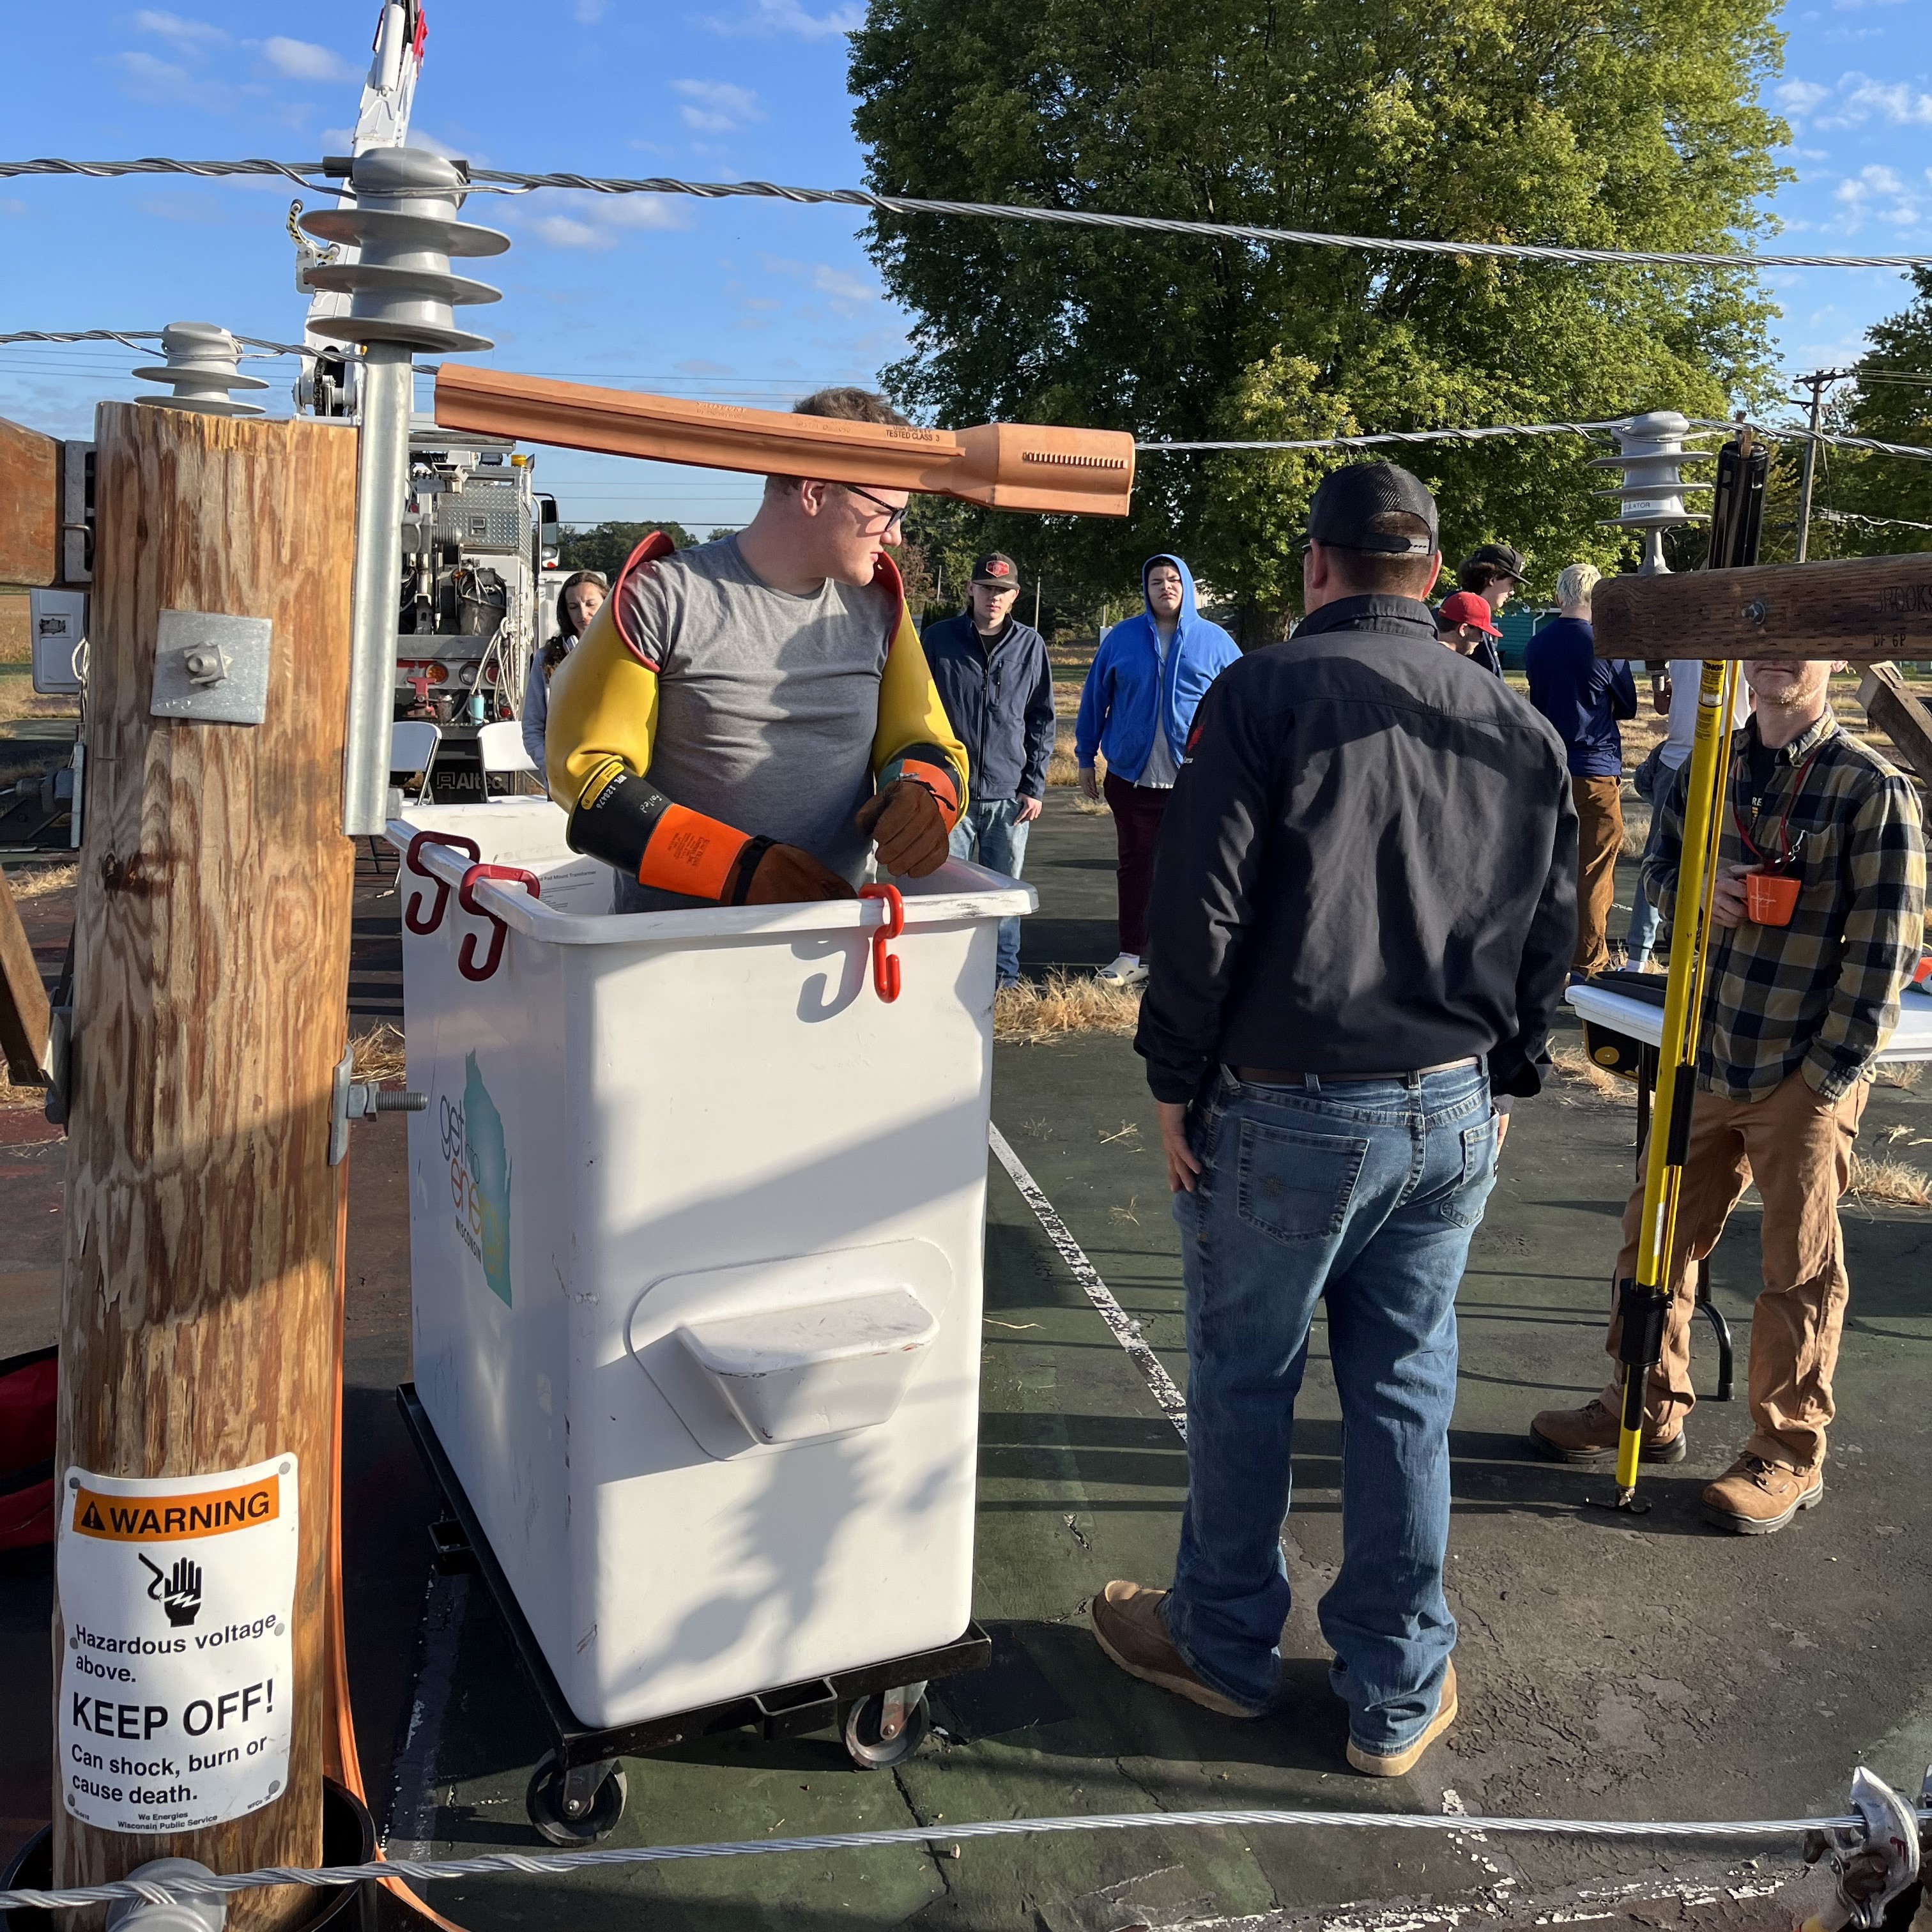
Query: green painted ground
(1609, 1668)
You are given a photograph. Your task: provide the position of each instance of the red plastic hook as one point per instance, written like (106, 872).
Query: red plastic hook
(465, 957)
(886, 978)
(413, 859)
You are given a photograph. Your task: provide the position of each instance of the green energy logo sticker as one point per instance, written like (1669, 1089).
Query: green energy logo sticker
(479, 1177)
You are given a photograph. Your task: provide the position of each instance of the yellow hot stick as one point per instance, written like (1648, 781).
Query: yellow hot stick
(1683, 1002)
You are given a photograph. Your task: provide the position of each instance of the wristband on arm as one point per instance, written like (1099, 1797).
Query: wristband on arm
(928, 766)
(628, 823)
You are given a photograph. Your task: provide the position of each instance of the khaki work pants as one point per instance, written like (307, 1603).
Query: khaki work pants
(1799, 1149)
(1600, 839)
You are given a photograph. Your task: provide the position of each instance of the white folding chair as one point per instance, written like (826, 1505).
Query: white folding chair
(501, 748)
(412, 744)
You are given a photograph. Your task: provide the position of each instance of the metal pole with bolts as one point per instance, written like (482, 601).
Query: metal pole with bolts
(404, 226)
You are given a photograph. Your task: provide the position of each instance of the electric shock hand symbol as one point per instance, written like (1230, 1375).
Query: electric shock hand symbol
(178, 1591)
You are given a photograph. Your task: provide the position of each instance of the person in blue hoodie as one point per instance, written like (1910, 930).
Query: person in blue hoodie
(1136, 710)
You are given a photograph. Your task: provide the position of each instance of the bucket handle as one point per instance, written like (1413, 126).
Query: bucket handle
(886, 975)
(465, 957)
(412, 858)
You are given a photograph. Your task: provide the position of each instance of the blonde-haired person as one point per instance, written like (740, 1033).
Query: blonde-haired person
(580, 598)
(1583, 696)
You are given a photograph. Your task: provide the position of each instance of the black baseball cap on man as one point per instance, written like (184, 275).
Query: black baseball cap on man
(1503, 559)
(1348, 499)
(998, 568)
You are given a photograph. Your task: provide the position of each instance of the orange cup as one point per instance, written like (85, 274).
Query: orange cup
(1770, 898)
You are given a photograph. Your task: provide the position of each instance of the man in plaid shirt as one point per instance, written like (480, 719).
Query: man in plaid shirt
(1794, 1015)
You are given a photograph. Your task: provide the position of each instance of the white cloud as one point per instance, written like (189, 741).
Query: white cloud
(576, 219)
(717, 107)
(303, 60)
(172, 27)
(1800, 97)
(1876, 191)
(841, 286)
(788, 16)
(1860, 97)
(145, 78)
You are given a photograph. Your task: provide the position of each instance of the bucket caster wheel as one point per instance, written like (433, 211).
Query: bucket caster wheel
(577, 1807)
(886, 1728)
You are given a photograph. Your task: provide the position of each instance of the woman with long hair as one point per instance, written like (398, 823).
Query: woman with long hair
(576, 603)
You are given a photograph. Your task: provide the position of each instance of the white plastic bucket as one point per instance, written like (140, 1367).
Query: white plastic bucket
(695, 1244)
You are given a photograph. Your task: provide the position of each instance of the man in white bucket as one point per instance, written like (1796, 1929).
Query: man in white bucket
(744, 722)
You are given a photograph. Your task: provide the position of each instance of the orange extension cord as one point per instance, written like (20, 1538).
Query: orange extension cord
(342, 1762)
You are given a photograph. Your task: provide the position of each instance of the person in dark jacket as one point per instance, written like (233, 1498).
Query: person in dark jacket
(994, 679)
(1136, 709)
(1583, 696)
(1365, 893)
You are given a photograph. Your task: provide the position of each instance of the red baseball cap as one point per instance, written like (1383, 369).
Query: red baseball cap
(1466, 607)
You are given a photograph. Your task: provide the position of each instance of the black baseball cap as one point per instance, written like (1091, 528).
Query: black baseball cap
(998, 568)
(1501, 558)
(1347, 499)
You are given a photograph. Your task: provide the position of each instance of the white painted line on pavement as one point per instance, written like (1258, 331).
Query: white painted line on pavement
(1126, 1331)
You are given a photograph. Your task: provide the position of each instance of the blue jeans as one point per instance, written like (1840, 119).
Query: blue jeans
(992, 832)
(1651, 779)
(1364, 1195)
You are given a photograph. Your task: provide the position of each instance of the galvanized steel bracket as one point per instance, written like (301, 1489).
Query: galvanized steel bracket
(210, 667)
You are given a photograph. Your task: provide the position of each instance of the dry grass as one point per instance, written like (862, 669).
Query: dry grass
(1905, 1077)
(378, 1054)
(10, 1096)
(1895, 1182)
(1036, 1012)
(1573, 1064)
(19, 699)
(41, 882)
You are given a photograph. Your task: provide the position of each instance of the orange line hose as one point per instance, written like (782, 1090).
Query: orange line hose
(343, 1762)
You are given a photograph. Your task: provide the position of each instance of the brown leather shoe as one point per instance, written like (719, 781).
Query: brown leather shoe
(1399, 1764)
(1588, 1434)
(1129, 1627)
(1754, 1497)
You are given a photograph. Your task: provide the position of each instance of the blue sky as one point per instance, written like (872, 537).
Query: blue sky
(735, 301)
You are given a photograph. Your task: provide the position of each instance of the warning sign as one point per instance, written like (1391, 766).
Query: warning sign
(176, 1593)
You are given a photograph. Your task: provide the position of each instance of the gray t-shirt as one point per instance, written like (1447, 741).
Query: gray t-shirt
(767, 703)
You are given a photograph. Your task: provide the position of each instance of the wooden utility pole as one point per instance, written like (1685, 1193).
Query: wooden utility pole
(1864, 610)
(212, 922)
(1817, 382)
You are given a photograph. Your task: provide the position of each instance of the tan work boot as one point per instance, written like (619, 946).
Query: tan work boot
(1588, 1434)
(1399, 1764)
(1129, 1627)
(1754, 1497)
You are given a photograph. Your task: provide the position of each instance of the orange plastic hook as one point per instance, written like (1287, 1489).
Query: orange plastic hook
(885, 979)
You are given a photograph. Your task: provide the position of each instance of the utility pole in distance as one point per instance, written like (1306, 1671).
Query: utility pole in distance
(212, 922)
(1817, 382)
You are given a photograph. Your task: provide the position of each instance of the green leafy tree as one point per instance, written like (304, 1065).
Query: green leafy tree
(1880, 497)
(1633, 124)
(607, 547)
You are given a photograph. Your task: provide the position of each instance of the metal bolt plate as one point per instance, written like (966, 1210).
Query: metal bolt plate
(239, 695)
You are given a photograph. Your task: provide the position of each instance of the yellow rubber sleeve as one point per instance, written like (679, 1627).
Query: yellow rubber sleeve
(909, 710)
(603, 711)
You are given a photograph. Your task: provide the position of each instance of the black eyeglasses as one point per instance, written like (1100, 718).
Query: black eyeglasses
(893, 516)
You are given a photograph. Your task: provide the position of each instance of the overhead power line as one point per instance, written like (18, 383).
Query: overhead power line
(1705, 426)
(309, 174)
(137, 339)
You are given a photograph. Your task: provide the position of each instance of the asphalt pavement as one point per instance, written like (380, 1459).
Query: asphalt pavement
(1611, 1666)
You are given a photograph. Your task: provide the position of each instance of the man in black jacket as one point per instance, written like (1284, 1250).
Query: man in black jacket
(996, 685)
(1364, 903)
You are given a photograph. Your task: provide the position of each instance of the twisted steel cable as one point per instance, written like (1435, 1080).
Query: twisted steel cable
(558, 1864)
(305, 174)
